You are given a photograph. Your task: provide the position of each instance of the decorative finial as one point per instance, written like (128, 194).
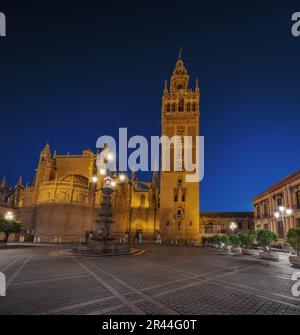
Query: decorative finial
(197, 85)
(180, 53)
(166, 87)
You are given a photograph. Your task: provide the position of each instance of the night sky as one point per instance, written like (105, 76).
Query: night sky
(69, 74)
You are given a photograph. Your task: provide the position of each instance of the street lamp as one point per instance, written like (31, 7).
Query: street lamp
(9, 216)
(282, 213)
(102, 172)
(94, 179)
(233, 227)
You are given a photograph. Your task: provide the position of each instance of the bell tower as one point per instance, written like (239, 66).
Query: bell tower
(179, 199)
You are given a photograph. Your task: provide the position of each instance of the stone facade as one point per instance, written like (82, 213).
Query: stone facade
(179, 200)
(219, 223)
(286, 193)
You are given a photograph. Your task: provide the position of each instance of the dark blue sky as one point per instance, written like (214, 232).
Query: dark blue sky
(69, 74)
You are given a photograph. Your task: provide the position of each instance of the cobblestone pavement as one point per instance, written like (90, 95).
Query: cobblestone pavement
(164, 280)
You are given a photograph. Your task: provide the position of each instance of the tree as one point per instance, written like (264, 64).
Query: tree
(265, 238)
(225, 240)
(247, 239)
(216, 239)
(9, 226)
(293, 238)
(235, 240)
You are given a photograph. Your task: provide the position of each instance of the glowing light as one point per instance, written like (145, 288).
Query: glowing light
(277, 215)
(289, 211)
(113, 183)
(9, 216)
(281, 209)
(110, 156)
(102, 172)
(94, 179)
(233, 225)
(122, 177)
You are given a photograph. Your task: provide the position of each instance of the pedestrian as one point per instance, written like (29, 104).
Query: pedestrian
(140, 237)
(158, 238)
(126, 237)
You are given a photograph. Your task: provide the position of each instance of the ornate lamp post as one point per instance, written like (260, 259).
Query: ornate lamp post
(105, 213)
(233, 227)
(282, 213)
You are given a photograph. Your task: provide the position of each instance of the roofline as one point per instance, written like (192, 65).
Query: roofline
(282, 182)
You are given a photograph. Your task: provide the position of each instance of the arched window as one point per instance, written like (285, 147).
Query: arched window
(188, 107)
(194, 107)
(142, 200)
(168, 107)
(173, 107)
(181, 105)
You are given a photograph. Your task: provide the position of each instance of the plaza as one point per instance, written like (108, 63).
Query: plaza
(168, 280)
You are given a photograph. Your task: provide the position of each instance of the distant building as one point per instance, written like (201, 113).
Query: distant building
(285, 193)
(219, 223)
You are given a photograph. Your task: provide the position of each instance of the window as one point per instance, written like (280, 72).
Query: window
(188, 107)
(258, 210)
(181, 105)
(298, 199)
(266, 210)
(298, 223)
(183, 197)
(280, 229)
(175, 197)
(240, 225)
(142, 200)
(266, 226)
(173, 107)
(279, 200)
(168, 108)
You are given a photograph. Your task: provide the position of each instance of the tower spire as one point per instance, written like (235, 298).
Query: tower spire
(180, 53)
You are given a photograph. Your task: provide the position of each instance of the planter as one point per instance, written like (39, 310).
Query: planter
(219, 247)
(271, 256)
(236, 251)
(295, 261)
(250, 252)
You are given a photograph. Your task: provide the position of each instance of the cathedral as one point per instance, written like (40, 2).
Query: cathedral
(62, 202)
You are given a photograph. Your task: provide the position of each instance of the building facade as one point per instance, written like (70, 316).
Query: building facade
(179, 199)
(220, 223)
(285, 193)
